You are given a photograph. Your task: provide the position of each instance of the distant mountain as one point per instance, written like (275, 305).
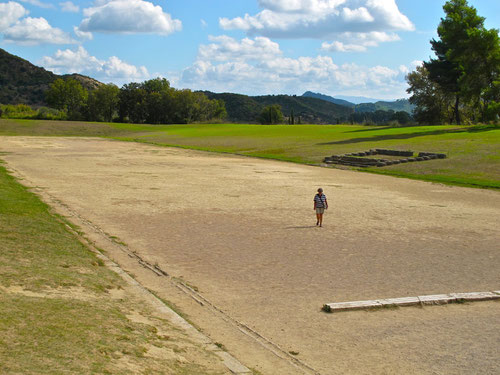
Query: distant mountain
(243, 108)
(23, 82)
(327, 98)
(358, 99)
(368, 105)
(397, 106)
(349, 101)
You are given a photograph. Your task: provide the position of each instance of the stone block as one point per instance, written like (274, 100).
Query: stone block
(403, 301)
(355, 305)
(436, 299)
(475, 296)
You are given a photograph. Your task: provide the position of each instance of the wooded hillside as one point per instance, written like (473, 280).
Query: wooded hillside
(21, 82)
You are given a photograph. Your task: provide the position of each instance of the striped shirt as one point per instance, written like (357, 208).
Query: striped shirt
(320, 200)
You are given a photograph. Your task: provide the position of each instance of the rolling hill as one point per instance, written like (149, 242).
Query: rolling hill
(327, 98)
(396, 106)
(23, 82)
(243, 108)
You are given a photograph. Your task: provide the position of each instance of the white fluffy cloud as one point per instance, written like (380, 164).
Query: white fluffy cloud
(10, 13)
(68, 6)
(226, 48)
(80, 61)
(128, 17)
(82, 35)
(230, 65)
(33, 31)
(324, 19)
(359, 42)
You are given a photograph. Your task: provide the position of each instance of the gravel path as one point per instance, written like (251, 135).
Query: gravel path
(241, 231)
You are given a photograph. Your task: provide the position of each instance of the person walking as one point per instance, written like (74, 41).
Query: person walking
(320, 205)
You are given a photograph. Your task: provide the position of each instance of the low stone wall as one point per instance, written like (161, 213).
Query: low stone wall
(359, 159)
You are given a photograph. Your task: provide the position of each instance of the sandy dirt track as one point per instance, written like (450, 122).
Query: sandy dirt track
(242, 231)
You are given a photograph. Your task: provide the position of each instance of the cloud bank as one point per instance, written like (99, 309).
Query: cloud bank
(248, 65)
(80, 61)
(362, 23)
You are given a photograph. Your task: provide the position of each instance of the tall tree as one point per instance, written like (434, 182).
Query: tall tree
(67, 95)
(467, 59)
(132, 99)
(433, 105)
(102, 103)
(271, 115)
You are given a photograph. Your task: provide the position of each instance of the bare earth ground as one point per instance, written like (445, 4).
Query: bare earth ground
(242, 232)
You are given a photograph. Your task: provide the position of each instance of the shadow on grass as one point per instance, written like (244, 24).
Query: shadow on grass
(371, 129)
(386, 137)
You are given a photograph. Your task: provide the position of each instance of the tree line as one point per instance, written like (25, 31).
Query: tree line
(153, 101)
(272, 114)
(461, 84)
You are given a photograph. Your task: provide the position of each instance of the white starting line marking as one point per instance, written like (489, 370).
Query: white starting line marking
(436, 299)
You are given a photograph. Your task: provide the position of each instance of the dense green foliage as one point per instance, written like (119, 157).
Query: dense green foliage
(155, 102)
(102, 103)
(473, 152)
(68, 96)
(272, 115)
(152, 101)
(464, 78)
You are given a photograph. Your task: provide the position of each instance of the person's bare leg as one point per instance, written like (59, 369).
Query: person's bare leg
(320, 220)
(317, 218)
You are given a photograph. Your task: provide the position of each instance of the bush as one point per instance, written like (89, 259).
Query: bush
(18, 111)
(23, 111)
(45, 113)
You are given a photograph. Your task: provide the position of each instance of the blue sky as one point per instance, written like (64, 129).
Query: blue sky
(336, 47)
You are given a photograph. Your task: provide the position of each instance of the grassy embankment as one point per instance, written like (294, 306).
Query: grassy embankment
(473, 152)
(63, 311)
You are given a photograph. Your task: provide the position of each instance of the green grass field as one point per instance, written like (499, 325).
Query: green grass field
(473, 152)
(57, 313)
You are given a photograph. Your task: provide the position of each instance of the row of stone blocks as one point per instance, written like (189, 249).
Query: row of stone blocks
(437, 299)
(356, 159)
(381, 151)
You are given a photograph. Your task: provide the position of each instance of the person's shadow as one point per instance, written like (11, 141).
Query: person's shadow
(302, 227)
